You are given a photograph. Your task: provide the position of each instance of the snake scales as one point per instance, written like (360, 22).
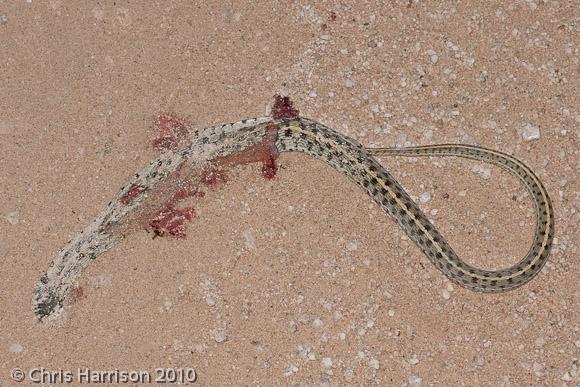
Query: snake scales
(291, 133)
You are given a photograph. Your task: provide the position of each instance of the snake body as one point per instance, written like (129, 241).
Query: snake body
(298, 134)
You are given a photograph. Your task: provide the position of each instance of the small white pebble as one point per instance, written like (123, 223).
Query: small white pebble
(325, 37)
(349, 375)
(485, 172)
(538, 368)
(249, 239)
(291, 369)
(344, 51)
(374, 363)
(307, 353)
(567, 377)
(352, 246)
(445, 294)
(391, 312)
(312, 94)
(219, 335)
(16, 348)
(424, 197)
(462, 193)
(349, 83)
(326, 362)
(317, 323)
(414, 360)
(415, 381)
(12, 217)
(530, 132)
(433, 56)
(577, 343)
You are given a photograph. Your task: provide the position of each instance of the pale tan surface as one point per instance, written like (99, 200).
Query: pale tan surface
(304, 276)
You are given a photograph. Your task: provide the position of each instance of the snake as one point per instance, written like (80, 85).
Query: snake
(264, 139)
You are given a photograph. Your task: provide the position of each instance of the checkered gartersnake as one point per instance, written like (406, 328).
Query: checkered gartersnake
(299, 134)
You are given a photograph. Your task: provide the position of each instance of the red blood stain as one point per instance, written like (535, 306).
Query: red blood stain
(133, 192)
(332, 16)
(213, 174)
(269, 167)
(75, 295)
(284, 108)
(171, 131)
(264, 152)
(187, 190)
(170, 220)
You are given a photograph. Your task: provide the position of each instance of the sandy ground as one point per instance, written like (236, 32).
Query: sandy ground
(301, 279)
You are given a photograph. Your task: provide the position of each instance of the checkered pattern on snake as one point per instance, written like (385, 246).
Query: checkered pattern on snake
(346, 156)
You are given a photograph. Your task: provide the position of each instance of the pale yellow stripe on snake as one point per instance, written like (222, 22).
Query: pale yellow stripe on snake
(535, 189)
(357, 162)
